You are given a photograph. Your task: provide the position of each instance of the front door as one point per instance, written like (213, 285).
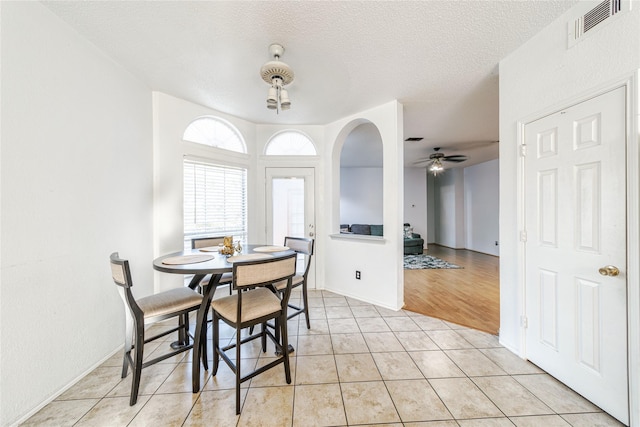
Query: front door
(575, 213)
(290, 208)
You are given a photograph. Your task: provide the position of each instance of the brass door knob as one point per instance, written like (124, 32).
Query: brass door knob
(609, 270)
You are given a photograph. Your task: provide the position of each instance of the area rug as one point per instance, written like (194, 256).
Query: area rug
(418, 262)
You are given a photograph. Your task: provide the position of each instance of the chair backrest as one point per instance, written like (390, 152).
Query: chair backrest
(304, 246)
(301, 245)
(205, 242)
(263, 272)
(121, 275)
(120, 271)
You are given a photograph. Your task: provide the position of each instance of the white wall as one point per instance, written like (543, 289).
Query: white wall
(379, 260)
(76, 177)
(537, 78)
(463, 208)
(481, 202)
(431, 209)
(449, 209)
(361, 195)
(415, 200)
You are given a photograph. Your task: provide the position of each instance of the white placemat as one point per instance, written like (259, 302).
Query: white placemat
(247, 257)
(210, 249)
(186, 259)
(271, 248)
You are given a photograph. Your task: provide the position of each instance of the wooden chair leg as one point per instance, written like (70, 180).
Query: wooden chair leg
(203, 348)
(216, 344)
(276, 329)
(238, 370)
(285, 347)
(137, 366)
(306, 304)
(128, 340)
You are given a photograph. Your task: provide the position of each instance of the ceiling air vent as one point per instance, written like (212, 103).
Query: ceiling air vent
(413, 139)
(591, 20)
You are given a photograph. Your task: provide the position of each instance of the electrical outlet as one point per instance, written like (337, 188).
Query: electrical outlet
(357, 275)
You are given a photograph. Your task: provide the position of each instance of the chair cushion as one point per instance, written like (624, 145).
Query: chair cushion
(296, 281)
(169, 302)
(256, 303)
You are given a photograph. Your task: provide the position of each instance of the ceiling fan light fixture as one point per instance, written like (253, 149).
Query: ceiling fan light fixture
(277, 74)
(436, 167)
(272, 98)
(285, 103)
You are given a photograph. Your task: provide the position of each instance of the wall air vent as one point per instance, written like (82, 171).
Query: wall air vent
(593, 19)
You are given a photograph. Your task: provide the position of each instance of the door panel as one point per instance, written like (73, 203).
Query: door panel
(291, 208)
(575, 224)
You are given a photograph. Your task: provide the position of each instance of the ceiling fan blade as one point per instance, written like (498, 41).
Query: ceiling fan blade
(455, 158)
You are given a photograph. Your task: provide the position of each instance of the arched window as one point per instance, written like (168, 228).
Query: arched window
(215, 132)
(290, 143)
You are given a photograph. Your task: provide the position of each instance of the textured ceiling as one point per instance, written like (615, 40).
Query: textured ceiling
(438, 58)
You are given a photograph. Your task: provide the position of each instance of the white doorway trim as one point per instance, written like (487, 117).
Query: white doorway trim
(630, 83)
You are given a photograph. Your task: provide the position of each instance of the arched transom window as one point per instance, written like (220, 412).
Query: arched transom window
(215, 132)
(290, 143)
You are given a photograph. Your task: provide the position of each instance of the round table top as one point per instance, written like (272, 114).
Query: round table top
(218, 264)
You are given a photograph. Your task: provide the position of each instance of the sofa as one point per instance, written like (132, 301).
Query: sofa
(413, 242)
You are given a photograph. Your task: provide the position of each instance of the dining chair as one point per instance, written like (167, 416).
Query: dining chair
(205, 242)
(254, 304)
(142, 312)
(304, 247)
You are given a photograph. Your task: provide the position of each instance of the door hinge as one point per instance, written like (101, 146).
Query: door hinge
(523, 236)
(524, 322)
(523, 150)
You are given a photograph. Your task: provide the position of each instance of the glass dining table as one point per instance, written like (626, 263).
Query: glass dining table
(201, 262)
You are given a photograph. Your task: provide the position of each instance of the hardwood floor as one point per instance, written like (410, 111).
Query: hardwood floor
(469, 296)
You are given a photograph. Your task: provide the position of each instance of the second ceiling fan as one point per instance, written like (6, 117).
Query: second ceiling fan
(434, 161)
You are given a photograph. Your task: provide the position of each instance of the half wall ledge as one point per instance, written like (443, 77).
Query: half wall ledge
(362, 237)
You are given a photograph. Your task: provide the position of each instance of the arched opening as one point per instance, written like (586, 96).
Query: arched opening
(361, 181)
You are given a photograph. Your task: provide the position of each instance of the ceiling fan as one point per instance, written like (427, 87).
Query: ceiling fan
(435, 160)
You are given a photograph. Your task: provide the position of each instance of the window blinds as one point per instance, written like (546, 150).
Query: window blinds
(215, 201)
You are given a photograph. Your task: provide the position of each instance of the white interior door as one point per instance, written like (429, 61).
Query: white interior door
(575, 226)
(290, 207)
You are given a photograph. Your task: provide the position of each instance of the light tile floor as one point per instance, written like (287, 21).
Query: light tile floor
(358, 365)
